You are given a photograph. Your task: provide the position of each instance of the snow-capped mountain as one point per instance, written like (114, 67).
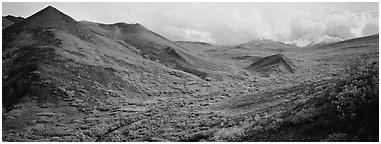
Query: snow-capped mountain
(266, 43)
(318, 40)
(260, 41)
(325, 39)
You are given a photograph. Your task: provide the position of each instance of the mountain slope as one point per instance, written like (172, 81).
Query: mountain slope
(155, 47)
(198, 48)
(13, 18)
(6, 23)
(57, 72)
(10, 20)
(354, 43)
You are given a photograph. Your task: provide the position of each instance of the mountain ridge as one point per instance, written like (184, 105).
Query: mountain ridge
(51, 18)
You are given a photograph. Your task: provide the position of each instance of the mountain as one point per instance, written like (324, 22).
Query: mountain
(49, 18)
(55, 64)
(33, 46)
(150, 45)
(51, 46)
(311, 40)
(13, 18)
(360, 42)
(9, 20)
(325, 39)
(269, 44)
(154, 47)
(277, 62)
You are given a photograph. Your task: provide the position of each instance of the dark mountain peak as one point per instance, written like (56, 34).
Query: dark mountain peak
(50, 7)
(50, 18)
(49, 15)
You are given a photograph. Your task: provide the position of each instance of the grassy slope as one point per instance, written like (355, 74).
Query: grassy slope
(155, 47)
(307, 112)
(61, 85)
(189, 111)
(54, 71)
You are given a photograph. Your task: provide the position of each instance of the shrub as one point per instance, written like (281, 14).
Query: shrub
(356, 99)
(304, 115)
(232, 134)
(355, 65)
(359, 90)
(339, 137)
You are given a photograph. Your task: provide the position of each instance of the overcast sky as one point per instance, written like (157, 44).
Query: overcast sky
(224, 23)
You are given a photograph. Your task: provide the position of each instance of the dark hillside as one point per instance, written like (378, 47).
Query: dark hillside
(13, 18)
(276, 62)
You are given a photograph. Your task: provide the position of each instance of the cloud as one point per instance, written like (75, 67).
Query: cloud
(229, 23)
(189, 34)
(337, 21)
(370, 29)
(236, 23)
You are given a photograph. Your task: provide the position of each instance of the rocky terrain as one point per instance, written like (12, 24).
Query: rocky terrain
(68, 80)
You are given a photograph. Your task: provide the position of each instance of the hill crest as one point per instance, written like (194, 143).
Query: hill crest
(51, 18)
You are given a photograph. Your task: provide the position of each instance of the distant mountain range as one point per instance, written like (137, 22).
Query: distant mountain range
(268, 44)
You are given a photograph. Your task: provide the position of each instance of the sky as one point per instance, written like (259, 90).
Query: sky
(225, 23)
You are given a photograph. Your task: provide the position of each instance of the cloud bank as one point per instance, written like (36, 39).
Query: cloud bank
(233, 23)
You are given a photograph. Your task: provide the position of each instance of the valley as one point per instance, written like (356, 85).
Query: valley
(78, 81)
